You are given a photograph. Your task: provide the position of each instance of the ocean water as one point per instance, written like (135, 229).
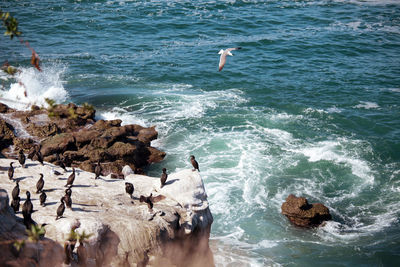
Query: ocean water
(308, 106)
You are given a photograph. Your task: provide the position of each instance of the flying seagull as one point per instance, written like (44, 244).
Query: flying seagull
(224, 53)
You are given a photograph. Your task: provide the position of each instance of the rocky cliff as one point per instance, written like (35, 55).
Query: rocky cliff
(125, 232)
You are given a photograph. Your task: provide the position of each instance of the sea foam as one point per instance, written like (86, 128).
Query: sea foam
(32, 87)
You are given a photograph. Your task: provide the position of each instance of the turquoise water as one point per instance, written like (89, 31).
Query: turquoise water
(309, 106)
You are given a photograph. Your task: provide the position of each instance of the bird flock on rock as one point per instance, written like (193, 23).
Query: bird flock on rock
(66, 200)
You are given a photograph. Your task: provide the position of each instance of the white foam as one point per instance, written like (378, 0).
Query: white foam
(367, 105)
(333, 151)
(37, 85)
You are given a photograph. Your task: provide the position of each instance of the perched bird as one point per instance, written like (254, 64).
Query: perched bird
(67, 198)
(42, 198)
(15, 204)
(97, 170)
(27, 209)
(60, 162)
(164, 177)
(60, 209)
(15, 191)
(32, 152)
(11, 171)
(71, 178)
(39, 156)
(194, 163)
(21, 158)
(129, 189)
(224, 53)
(148, 200)
(40, 184)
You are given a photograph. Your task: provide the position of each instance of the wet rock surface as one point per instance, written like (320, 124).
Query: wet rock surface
(72, 132)
(303, 214)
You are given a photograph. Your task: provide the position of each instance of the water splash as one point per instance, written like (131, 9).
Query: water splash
(33, 87)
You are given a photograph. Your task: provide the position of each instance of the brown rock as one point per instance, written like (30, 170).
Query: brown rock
(3, 108)
(6, 134)
(146, 135)
(301, 213)
(85, 136)
(120, 150)
(45, 130)
(70, 131)
(155, 155)
(58, 144)
(102, 124)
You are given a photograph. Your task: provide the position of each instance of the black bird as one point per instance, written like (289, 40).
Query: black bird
(148, 200)
(40, 184)
(67, 198)
(71, 178)
(60, 162)
(42, 198)
(15, 191)
(97, 170)
(21, 158)
(11, 171)
(194, 163)
(32, 152)
(15, 204)
(164, 177)
(60, 209)
(129, 189)
(39, 156)
(27, 209)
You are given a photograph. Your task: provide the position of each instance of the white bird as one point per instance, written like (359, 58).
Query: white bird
(224, 53)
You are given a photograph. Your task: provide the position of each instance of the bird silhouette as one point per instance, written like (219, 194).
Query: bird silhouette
(71, 178)
(129, 189)
(97, 170)
(21, 158)
(15, 191)
(194, 163)
(42, 198)
(40, 184)
(164, 177)
(11, 171)
(60, 209)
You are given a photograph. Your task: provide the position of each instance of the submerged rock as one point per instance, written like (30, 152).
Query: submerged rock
(301, 213)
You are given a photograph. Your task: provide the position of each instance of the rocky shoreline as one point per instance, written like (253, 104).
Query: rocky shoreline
(124, 231)
(79, 140)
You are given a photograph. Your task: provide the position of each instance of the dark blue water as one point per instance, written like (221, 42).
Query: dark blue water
(309, 106)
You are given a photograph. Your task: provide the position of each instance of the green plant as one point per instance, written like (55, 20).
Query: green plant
(50, 102)
(10, 23)
(72, 113)
(19, 244)
(36, 232)
(87, 106)
(83, 237)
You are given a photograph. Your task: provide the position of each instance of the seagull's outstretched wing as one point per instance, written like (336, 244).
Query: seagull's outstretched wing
(231, 49)
(224, 53)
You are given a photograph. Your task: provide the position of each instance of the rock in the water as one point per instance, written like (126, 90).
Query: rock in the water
(301, 213)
